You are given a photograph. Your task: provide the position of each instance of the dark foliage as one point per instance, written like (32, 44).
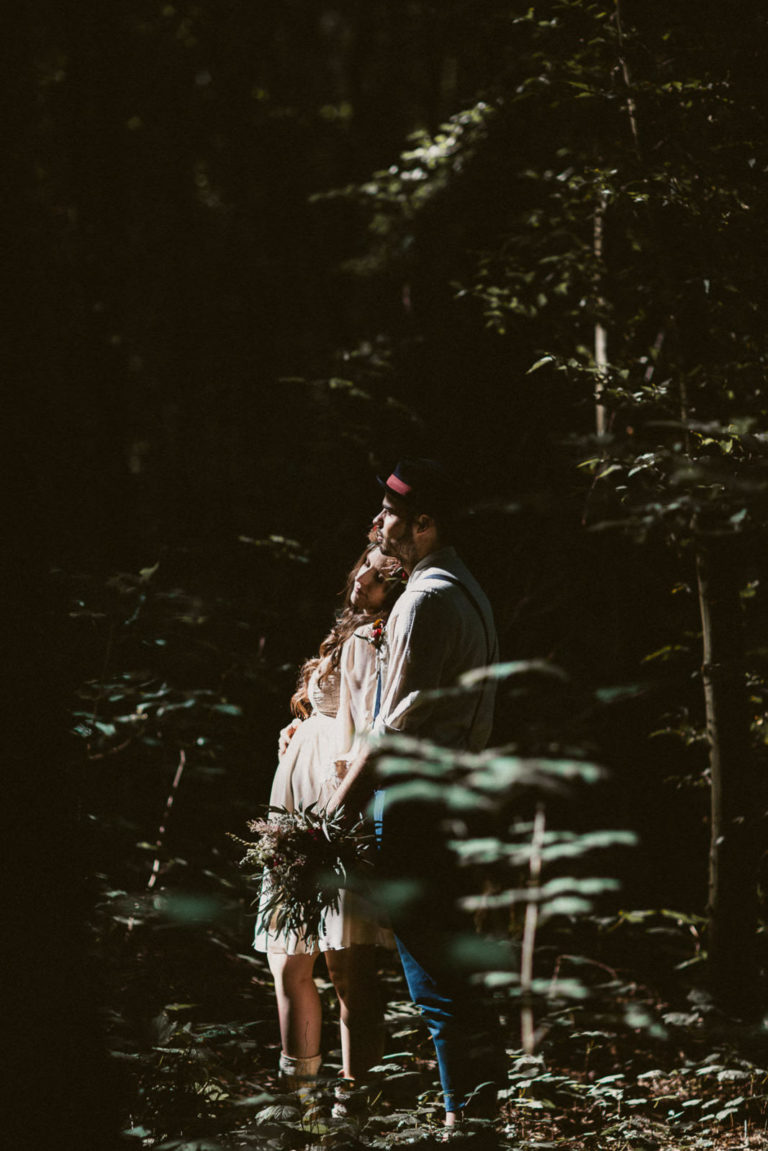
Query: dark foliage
(256, 252)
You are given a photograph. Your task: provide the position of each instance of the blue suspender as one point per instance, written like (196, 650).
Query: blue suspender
(377, 701)
(378, 795)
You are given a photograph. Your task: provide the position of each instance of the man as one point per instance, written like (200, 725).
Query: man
(441, 626)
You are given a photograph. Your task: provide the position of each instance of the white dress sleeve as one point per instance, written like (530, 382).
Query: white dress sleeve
(357, 693)
(358, 688)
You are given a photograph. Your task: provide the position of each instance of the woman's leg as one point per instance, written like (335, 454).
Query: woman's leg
(354, 974)
(298, 1004)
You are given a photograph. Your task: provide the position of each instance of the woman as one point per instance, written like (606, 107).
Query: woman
(334, 705)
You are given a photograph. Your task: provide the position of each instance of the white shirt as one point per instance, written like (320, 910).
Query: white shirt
(441, 626)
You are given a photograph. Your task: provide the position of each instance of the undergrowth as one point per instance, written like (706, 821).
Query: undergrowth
(193, 1029)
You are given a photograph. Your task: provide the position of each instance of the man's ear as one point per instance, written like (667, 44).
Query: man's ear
(423, 523)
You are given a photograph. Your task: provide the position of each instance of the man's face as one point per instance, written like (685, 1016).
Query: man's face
(394, 527)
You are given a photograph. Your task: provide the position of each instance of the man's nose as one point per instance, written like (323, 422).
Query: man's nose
(377, 519)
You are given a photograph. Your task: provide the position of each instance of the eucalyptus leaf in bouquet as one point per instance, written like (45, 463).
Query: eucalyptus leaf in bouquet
(302, 859)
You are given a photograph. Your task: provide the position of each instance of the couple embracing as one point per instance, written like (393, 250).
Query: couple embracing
(439, 625)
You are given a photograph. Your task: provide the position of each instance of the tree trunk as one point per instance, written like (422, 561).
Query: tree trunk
(732, 908)
(601, 336)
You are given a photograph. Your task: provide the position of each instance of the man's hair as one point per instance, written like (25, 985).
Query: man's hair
(443, 515)
(425, 487)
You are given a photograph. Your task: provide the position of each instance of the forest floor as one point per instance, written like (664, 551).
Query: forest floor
(192, 1025)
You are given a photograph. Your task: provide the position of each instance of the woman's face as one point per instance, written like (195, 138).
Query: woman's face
(370, 586)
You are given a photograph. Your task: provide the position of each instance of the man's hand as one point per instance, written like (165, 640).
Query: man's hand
(286, 735)
(354, 790)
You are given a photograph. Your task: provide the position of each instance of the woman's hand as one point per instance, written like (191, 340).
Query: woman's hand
(286, 735)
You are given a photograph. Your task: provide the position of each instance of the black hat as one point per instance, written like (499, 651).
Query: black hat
(425, 485)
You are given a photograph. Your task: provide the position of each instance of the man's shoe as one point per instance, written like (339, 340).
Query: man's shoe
(349, 1101)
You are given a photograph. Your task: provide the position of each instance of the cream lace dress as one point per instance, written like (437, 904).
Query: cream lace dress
(342, 715)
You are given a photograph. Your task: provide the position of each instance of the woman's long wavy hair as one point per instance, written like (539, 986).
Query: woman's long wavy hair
(346, 624)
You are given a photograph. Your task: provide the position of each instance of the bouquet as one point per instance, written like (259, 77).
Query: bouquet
(304, 858)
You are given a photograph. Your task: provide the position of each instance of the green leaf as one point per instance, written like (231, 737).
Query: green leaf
(514, 667)
(540, 364)
(227, 708)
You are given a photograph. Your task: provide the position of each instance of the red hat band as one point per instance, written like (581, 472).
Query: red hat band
(398, 485)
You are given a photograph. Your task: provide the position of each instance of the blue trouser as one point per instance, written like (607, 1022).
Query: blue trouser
(427, 926)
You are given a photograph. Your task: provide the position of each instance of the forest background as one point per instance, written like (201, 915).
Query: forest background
(257, 253)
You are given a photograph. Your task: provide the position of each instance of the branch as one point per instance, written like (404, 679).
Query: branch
(161, 831)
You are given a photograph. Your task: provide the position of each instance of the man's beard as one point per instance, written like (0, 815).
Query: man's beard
(387, 548)
(396, 550)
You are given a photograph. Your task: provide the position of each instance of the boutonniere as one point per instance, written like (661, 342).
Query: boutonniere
(375, 635)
